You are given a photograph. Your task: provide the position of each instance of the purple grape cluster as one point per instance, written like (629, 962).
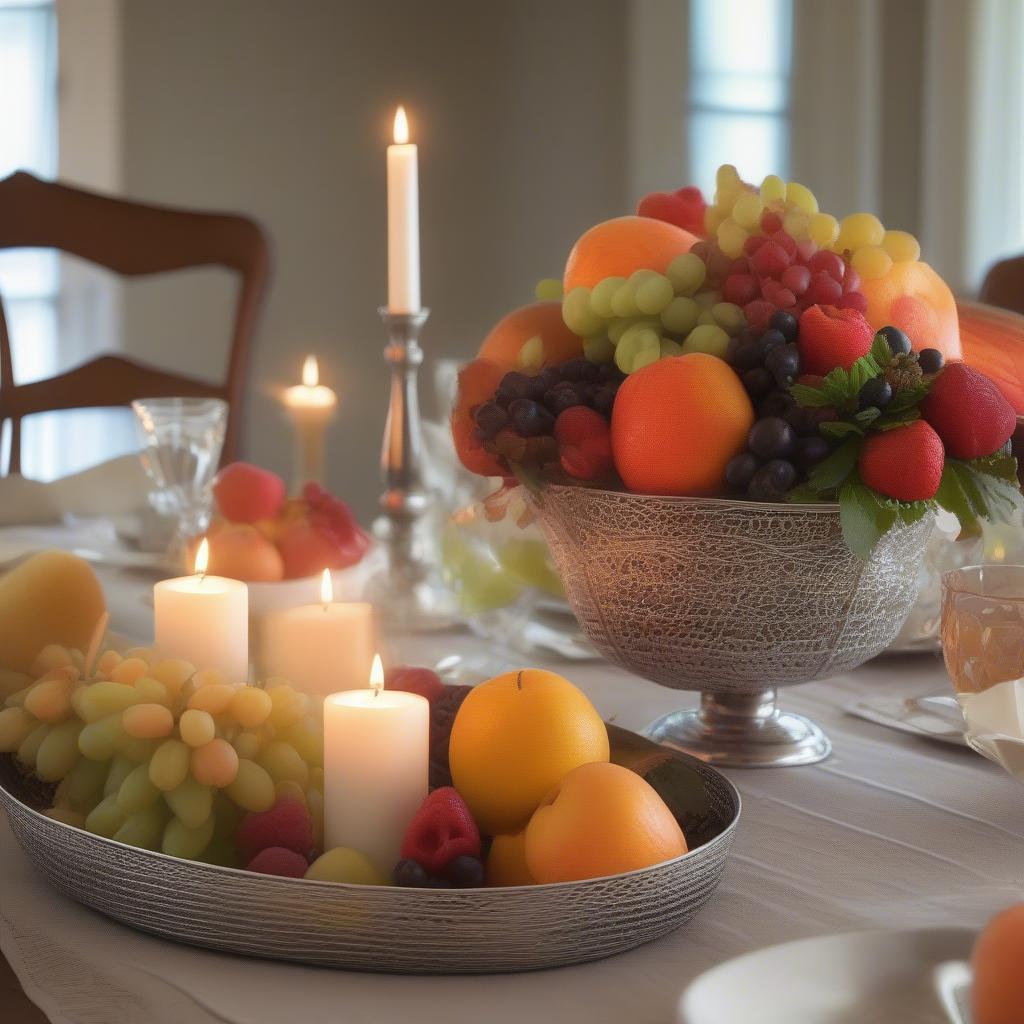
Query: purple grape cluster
(784, 442)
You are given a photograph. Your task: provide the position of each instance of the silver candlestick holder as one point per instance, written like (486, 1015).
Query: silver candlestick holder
(409, 591)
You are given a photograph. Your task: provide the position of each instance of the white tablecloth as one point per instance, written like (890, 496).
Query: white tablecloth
(891, 831)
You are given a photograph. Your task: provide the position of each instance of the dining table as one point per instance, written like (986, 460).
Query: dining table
(892, 830)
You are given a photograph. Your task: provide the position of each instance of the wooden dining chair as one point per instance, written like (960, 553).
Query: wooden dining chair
(1004, 285)
(131, 239)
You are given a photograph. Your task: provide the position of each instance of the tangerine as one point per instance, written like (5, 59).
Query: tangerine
(506, 862)
(617, 247)
(505, 343)
(515, 737)
(677, 423)
(601, 819)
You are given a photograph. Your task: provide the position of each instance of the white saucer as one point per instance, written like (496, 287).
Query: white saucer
(870, 977)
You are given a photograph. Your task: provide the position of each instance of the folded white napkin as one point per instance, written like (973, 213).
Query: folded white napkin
(995, 724)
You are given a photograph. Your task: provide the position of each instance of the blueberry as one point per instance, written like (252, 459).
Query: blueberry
(758, 382)
(899, 343)
(876, 392)
(740, 470)
(771, 438)
(802, 420)
(748, 355)
(785, 323)
(784, 363)
(811, 450)
(580, 369)
(465, 872)
(551, 376)
(778, 403)
(564, 395)
(770, 340)
(411, 874)
(930, 360)
(772, 480)
(604, 398)
(530, 419)
(513, 385)
(490, 418)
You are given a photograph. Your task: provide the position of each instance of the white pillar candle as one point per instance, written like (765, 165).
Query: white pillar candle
(205, 620)
(321, 647)
(310, 406)
(376, 751)
(403, 221)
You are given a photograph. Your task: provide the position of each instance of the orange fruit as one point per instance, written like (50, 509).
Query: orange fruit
(242, 552)
(993, 343)
(513, 738)
(997, 994)
(677, 423)
(914, 298)
(543, 320)
(601, 819)
(506, 862)
(617, 247)
(477, 382)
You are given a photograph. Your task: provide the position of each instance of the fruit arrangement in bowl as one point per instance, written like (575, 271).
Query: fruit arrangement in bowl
(735, 438)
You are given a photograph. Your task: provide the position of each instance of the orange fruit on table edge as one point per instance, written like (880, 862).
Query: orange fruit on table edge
(506, 861)
(676, 424)
(997, 992)
(912, 297)
(513, 738)
(506, 338)
(601, 819)
(993, 343)
(617, 247)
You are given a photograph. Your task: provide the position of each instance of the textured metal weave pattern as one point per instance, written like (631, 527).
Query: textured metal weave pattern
(726, 596)
(379, 928)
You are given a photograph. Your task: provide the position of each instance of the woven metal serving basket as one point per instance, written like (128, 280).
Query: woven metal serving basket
(732, 598)
(381, 928)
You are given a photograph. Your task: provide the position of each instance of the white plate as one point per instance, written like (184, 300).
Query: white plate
(871, 977)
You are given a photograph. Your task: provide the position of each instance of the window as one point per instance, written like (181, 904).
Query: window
(29, 278)
(740, 55)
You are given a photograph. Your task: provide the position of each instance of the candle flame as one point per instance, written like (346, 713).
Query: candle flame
(203, 557)
(310, 372)
(326, 588)
(377, 675)
(401, 127)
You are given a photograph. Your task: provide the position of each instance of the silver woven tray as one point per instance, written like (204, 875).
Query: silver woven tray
(380, 928)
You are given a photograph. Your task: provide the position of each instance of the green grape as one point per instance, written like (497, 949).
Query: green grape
(196, 727)
(186, 841)
(253, 788)
(282, 761)
(601, 296)
(98, 700)
(619, 327)
(85, 784)
(289, 705)
(578, 315)
(531, 357)
(639, 345)
(709, 338)
(152, 691)
(686, 272)
(731, 238)
(49, 699)
(213, 697)
(872, 261)
(307, 737)
(66, 815)
(17, 699)
(15, 725)
(168, 768)
(901, 246)
(549, 289)
(144, 828)
(773, 188)
(138, 749)
(599, 350)
(654, 294)
(29, 747)
(58, 753)
(670, 347)
(729, 317)
(137, 791)
(250, 707)
(530, 560)
(858, 230)
(147, 721)
(101, 739)
(120, 769)
(50, 657)
(247, 744)
(223, 852)
(706, 318)
(680, 315)
(797, 224)
(747, 211)
(11, 682)
(823, 229)
(624, 301)
(801, 197)
(105, 818)
(192, 802)
(705, 300)
(132, 667)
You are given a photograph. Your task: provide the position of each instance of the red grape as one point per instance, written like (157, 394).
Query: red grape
(823, 290)
(771, 259)
(753, 243)
(740, 265)
(740, 289)
(770, 222)
(796, 279)
(758, 313)
(806, 249)
(851, 281)
(787, 242)
(828, 262)
(853, 300)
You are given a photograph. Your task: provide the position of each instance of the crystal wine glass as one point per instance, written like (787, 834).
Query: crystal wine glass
(181, 441)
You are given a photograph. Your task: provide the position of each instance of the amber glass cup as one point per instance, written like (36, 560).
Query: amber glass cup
(983, 625)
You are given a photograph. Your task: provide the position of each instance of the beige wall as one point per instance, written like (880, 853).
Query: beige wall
(282, 110)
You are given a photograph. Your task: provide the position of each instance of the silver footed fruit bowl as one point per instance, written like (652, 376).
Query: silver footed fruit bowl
(731, 598)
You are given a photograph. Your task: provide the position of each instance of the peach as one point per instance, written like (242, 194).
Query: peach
(240, 551)
(601, 819)
(506, 861)
(246, 493)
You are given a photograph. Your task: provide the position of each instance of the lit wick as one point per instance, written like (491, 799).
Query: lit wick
(202, 559)
(326, 589)
(377, 675)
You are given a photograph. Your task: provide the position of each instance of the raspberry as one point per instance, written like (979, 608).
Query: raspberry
(584, 440)
(904, 463)
(831, 337)
(441, 830)
(276, 860)
(286, 825)
(968, 412)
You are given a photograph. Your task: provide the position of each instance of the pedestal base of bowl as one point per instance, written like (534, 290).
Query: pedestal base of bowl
(742, 731)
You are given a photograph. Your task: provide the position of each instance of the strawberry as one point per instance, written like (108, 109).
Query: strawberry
(409, 679)
(968, 412)
(442, 830)
(831, 337)
(903, 463)
(286, 824)
(584, 443)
